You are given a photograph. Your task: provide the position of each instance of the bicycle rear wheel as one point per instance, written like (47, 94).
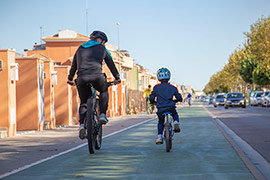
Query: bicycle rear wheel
(148, 107)
(90, 126)
(98, 140)
(151, 108)
(168, 139)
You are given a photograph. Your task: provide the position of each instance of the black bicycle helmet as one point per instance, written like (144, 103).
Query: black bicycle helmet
(98, 34)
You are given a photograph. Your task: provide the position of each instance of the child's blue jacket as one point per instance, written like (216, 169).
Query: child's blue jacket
(164, 92)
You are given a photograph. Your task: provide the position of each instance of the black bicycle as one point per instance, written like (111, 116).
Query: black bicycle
(93, 126)
(91, 121)
(168, 131)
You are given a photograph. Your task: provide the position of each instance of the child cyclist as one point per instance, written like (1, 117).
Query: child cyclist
(164, 93)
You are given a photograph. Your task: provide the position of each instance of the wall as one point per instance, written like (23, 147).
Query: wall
(134, 79)
(136, 102)
(63, 97)
(75, 105)
(27, 95)
(49, 94)
(8, 93)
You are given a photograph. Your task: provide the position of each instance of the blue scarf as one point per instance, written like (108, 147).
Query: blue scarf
(92, 43)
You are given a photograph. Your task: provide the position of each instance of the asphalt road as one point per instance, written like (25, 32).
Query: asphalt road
(200, 151)
(251, 124)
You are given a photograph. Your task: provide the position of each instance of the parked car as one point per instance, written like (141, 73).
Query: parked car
(218, 100)
(202, 98)
(265, 100)
(255, 98)
(211, 100)
(206, 99)
(234, 99)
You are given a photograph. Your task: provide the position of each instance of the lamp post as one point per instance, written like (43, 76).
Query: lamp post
(118, 33)
(86, 11)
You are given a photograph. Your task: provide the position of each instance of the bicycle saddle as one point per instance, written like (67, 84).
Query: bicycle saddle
(167, 113)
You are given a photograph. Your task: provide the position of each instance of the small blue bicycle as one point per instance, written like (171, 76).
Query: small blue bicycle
(168, 131)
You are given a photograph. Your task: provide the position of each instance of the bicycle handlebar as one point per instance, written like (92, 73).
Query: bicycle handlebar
(113, 82)
(155, 102)
(73, 83)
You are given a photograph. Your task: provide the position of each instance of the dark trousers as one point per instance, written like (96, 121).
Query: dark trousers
(161, 117)
(99, 82)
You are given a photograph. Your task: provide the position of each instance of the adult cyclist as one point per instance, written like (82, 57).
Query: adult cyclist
(146, 95)
(87, 62)
(189, 99)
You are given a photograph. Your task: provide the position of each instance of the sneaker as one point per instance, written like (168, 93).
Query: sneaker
(82, 132)
(176, 127)
(103, 118)
(159, 139)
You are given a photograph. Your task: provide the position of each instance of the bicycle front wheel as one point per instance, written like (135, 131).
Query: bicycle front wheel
(98, 126)
(90, 127)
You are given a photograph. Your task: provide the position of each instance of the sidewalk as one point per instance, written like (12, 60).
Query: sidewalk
(32, 146)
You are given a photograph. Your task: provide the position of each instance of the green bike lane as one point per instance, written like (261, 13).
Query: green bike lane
(200, 151)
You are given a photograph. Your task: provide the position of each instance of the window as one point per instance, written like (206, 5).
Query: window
(57, 63)
(1, 65)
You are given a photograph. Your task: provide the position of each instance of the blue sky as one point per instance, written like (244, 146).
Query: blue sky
(193, 38)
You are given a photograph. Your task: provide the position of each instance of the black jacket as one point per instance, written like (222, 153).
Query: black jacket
(88, 60)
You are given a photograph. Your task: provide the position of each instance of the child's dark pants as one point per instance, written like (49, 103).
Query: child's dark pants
(161, 117)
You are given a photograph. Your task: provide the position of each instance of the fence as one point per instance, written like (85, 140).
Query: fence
(136, 102)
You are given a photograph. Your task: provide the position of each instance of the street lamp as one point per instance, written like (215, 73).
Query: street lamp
(118, 27)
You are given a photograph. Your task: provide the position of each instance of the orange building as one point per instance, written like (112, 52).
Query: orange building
(30, 94)
(8, 75)
(60, 47)
(49, 84)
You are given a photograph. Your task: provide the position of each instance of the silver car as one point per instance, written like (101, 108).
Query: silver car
(255, 98)
(234, 99)
(218, 100)
(265, 100)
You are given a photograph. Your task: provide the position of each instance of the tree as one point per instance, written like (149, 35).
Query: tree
(247, 68)
(261, 76)
(247, 64)
(258, 43)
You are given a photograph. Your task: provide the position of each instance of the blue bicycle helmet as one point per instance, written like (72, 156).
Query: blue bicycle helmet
(163, 73)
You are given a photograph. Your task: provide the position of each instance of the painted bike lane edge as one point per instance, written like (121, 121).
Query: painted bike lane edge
(257, 165)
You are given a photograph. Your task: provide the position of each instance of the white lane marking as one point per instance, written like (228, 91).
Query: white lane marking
(257, 160)
(67, 151)
(210, 113)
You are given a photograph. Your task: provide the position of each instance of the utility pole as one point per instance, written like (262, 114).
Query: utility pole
(86, 9)
(118, 27)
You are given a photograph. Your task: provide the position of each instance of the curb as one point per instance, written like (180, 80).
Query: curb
(256, 164)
